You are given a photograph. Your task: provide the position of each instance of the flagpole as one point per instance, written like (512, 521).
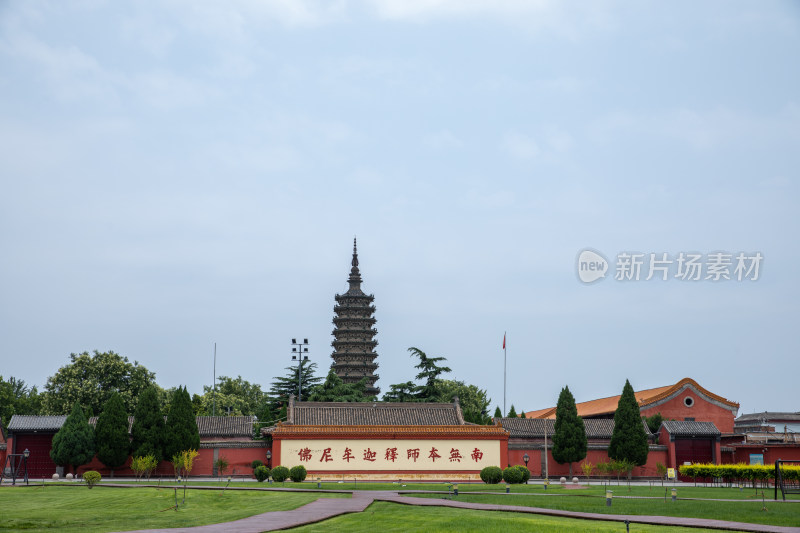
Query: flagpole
(504, 374)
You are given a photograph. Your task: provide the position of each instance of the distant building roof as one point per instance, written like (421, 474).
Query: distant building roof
(767, 416)
(208, 426)
(683, 428)
(646, 398)
(373, 414)
(601, 428)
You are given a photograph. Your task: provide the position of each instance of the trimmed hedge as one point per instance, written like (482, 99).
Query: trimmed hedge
(261, 472)
(526, 474)
(298, 473)
(513, 475)
(491, 475)
(91, 477)
(280, 474)
(741, 471)
(255, 464)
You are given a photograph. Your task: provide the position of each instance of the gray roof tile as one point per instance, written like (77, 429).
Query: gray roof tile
(690, 429)
(375, 414)
(596, 428)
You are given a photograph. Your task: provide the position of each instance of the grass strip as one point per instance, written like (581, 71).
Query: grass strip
(389, 517)
(76, 508)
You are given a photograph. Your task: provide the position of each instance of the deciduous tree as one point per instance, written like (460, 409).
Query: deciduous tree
(473, 400)
(16, 398)
(91, 380)
(73, 445)
(111, 434)
(569, 434)
(629, 440)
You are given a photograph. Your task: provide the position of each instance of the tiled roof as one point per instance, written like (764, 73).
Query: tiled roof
(768, 416)
(690, 429)
(225, 426)
(208, 426)
(36, 422)
(375, 414)
(535, 427)
(390, 431)
(607, 406)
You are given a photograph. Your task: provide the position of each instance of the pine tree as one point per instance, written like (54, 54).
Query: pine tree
(148, 426)
(111, 434)
(512, 413)
(497, 412)
(335, 390)
(73, 445)
(569, 434)
(629, 440)
(181, 427)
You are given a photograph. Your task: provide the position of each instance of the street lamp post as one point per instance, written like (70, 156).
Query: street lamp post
(269, 459)
(300, 354)
(25, 456)
(526, 458)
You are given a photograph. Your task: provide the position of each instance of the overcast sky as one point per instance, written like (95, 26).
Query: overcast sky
(174, 174)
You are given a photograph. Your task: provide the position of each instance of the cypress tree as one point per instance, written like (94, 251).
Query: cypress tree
(74, 443)
(111, 434)
(497, 413)
(148, 426)
(629, 440)
(182, 433)
(512, 413)
(569, 433)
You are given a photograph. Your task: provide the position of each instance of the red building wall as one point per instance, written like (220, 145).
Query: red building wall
(701, 410)
(594, 456)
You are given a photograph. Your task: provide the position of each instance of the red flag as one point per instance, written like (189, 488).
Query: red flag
(504, 341)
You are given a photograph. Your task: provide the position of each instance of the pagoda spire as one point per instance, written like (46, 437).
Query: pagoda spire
(355, 274)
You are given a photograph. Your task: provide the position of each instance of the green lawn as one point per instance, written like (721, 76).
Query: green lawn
(76, 508)
(389, 517)
(778, 513)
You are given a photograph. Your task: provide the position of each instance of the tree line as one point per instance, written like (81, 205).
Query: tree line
(91, 380)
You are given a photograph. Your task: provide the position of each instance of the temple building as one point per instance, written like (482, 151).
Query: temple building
(354, 343)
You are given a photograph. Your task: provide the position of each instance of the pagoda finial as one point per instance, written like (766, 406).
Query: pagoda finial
(355, 275)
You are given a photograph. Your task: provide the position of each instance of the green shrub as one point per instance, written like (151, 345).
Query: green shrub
(255, 464)
(512, 475)
(280, 474)
(491, 475)
(526, 474)
(298, 473)
(261, 472)
(91, 477)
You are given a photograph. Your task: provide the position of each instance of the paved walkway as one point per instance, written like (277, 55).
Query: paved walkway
(325, 508)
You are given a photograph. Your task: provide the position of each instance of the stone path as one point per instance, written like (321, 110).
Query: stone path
(316, 511)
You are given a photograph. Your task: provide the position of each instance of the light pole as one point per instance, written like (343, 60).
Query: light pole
(299, 353)
(25, 456)
(546, 476)
(526, 458)
(269, 459)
